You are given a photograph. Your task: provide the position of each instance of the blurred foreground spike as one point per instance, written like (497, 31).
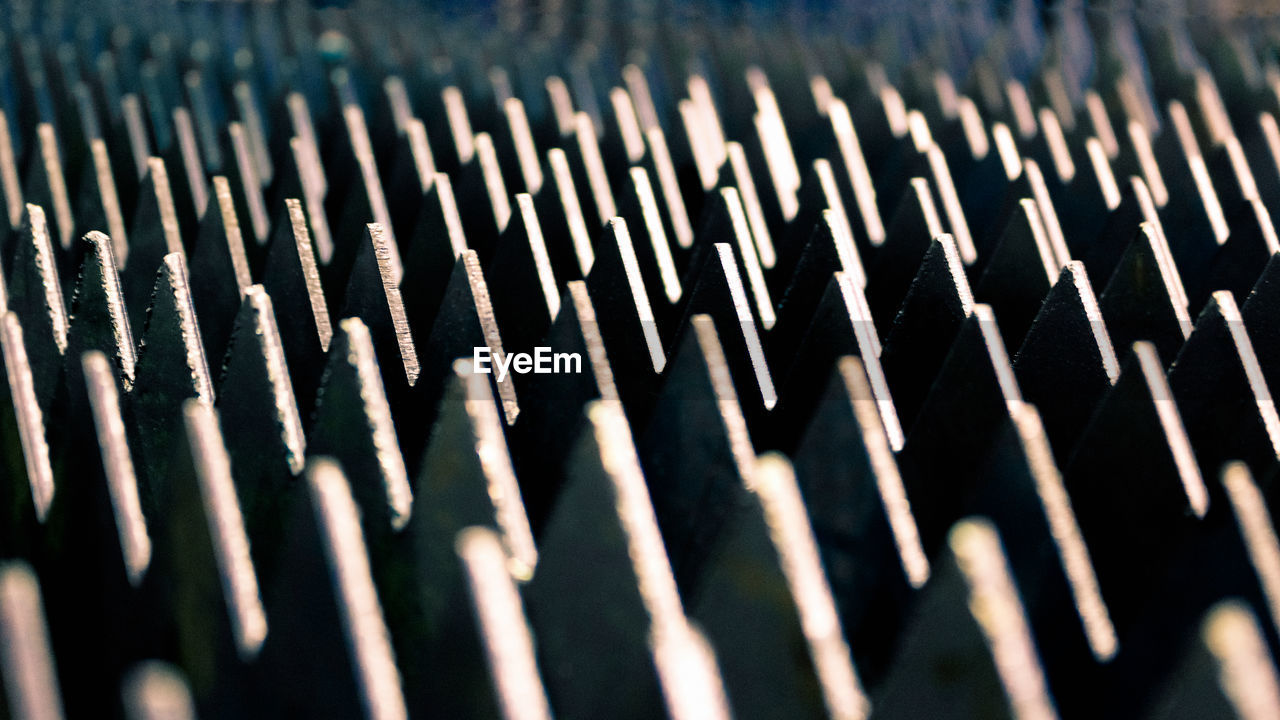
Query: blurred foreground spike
(30, 678)
(972, 610)
(331, 658)
(157, 691)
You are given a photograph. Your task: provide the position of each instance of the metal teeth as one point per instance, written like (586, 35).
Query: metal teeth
(996, 285)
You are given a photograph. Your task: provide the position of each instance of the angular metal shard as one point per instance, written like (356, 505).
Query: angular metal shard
(552, 409)
(1024, 496)
(437, 241)
(291, 277)
(98, 206)
(719, 292)
(13, 201)
(1108, 247)
(171, 368)
(153, 234)
(841, 326)
(46, 185)
(617, 290)
(568, 240)
(639, 208)
(247, 183)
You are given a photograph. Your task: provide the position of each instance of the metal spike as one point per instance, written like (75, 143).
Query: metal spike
(861, 516)
(786, 604)
(1024, 496)
(208, 583)
(1067, 362)
(502, 628)
(1135, 438)
(696, 451)
(931, 315)
(331, 656)
(9, 175)
(246, 183)
(568, 241)
(29, 469)
(1229, 672)
(970, 609)
(631, 337)
(552, 409)
(820, 203)
(219, 254)
(157, 691)
(869, 223)
(31, 685)
(1103, 254)
(719, 292)
(841, 326)
(153, 234)
(1020, 272)
(373, 296)
(413, 167)
(1221, 392)
(292, 278)
(977, 377)
(260, 422)
(98, 318)
(186, 154)
(34, 294)
(639, 208)
(482, 200)
(603, 541)
(913, 228)
(47, 186)
(1240, 260)
(98, 205)
(465, 323)
(171, 368)
(525, 297)
(353, 426)
(1142, 300)
(828, 249)
(1256, 315)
